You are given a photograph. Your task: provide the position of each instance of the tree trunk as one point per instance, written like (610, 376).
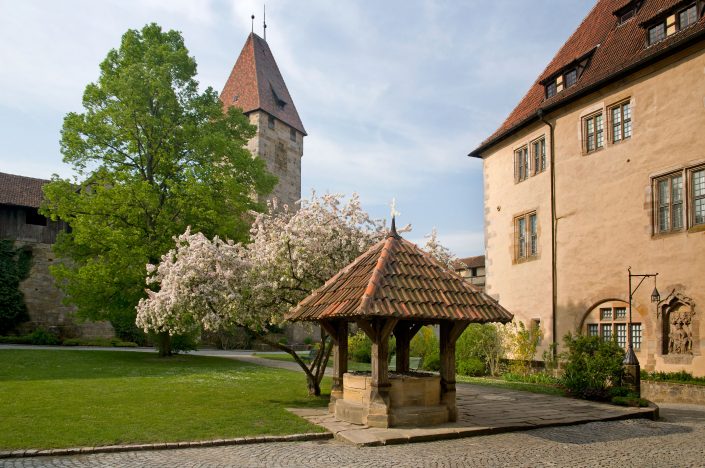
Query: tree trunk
(164, 344)
(314, 388)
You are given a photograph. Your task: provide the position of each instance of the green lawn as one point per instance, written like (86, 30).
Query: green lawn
(67, 398)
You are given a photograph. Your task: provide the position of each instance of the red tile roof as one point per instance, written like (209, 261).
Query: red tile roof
(20, 190)
(395, 278)
(255, 83)
(615, 50)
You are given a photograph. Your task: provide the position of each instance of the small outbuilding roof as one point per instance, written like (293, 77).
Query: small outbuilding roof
(395, 278)
(20, 190)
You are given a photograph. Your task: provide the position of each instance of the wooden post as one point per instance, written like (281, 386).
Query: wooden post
(450, 332)
(379, 330)
(338, 331)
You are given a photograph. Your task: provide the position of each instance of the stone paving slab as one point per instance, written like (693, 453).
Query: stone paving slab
(483, 411)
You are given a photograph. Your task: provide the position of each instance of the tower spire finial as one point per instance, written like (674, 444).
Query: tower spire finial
(264, 21)
(253, 24)
(393, 230)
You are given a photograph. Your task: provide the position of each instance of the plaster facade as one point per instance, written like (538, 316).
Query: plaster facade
(605, 216)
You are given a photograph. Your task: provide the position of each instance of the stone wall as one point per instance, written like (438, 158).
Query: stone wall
(44, 301)
(665, 392)
(281, 153)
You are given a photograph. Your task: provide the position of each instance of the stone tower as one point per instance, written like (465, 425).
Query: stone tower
(256, 86)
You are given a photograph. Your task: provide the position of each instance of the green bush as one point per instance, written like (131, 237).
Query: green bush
(15, 265)
(308, 341)
(630, 400)
(424, 345)
(677, 377)
(593, 367)
(360, 347)
(24, 339)
(184, 343)
(43, 337)
(483, 342)
(471, 366)
(432, 361)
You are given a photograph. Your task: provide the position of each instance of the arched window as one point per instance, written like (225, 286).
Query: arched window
(610, 320)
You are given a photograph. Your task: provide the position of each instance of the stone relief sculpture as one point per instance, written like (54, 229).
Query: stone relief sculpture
(677, 313)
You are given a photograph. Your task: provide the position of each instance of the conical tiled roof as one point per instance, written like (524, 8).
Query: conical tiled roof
(395, 278)
(255, 83)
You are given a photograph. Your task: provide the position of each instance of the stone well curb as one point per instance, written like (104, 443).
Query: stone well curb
(165, 446)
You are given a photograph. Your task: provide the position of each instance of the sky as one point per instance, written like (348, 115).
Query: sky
(393, 94)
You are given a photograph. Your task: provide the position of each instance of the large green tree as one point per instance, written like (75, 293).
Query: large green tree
(152, 155)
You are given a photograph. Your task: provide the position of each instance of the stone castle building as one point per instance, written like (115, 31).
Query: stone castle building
(599, 168)
(256, 86)
(20, 221)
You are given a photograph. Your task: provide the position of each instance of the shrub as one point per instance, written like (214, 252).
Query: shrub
(483, 342)
(14, 267)
(679, 377)
(630, 400)
(360, 347)
(432, 361)
(105, 342)
(424, 345)
(24, 339)
(523, 342)
(593, 366)
(470, 366)
(542, 378)
(43, 337)
(184, 343)
(308, 341)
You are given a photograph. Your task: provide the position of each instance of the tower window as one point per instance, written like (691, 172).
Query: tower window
(292, 134)
(271, 122)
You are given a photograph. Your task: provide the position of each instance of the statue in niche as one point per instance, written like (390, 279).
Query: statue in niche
(677, 311)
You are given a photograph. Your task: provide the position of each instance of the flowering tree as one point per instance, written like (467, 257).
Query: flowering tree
(215, 283)
(438, 251)
(212, 284)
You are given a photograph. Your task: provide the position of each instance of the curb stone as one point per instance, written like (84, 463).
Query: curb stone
(165, 446)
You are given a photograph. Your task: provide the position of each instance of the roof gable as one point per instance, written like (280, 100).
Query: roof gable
(395, 278)
(617, 49)
(255, 83)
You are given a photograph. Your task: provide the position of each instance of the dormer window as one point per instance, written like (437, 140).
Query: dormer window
(551, 89)
(657, 33)
(570, 77)
(672, 23)
(627, 12)
(687, 17)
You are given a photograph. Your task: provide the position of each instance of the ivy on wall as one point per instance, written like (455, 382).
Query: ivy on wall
(15, 264)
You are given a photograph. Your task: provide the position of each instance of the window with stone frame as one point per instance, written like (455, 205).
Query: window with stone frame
(675, 192)
(669, 203)
(621, 120)
(526, 236)
(538, 155)
(270, 122)
(610, 322)
(593, 132)
(292, 134)
(280, 159)
(521, 163)
(697, 203)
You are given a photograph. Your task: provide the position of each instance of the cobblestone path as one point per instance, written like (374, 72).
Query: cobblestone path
(678, 439)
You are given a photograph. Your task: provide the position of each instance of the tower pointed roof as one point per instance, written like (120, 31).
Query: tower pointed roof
(255, 83)
(395, 278)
